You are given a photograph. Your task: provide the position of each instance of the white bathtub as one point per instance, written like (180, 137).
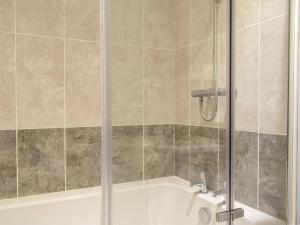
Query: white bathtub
(165, 201)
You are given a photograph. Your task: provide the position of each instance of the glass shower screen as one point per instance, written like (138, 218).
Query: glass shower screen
(198, 111)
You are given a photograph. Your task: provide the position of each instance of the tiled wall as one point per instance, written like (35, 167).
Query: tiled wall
(50, 135)
(261, 103)
(143, 62)
(50, 86)
(260, 164)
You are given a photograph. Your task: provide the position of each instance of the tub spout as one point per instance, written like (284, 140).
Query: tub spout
(202, 188)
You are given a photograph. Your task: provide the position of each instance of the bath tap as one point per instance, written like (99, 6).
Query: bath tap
(202, 187)
(202, 184)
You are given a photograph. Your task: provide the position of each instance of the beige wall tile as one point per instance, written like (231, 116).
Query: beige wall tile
(7, 84)
(201, 73)
(159, 87)
(182, 23)
(83, 19)
(247, 12)
(40, 73)
(127, 85)
(202, 17)
(247, 73)
(82, 84)
(124, 115)
(159, 24)
(41, 17)
(271, 8)
(127, 22)
(7, 15)
(274, 75)
(182, 92)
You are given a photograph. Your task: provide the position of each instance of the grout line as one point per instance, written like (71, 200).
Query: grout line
(173, 86)
(16, 100)
(217, 47)
(174, 107)
(46, 36)
(274, 17)
(133, 125)
(65, 135)
(258, 107)
(143, 89)
(224, 34)
(141, 46)
(174, 82)
(143, 72)
(189, 79)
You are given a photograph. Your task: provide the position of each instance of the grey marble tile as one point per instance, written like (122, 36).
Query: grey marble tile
(246, 168)
(83, 157)
(273, 174)
(40, 161)
(127, 153)
(8, 169)
(204, 155)
(159, 151)
(182, 149)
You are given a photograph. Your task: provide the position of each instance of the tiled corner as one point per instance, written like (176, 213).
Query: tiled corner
(274, 75)
(83, 152)
(7, 15)
(159, 103)
(246, 168)
(83, 83)
(204, 154)
(159, 152)
(273, 174)
(82, 19)
(7, 84)
(40, 74)
(127, 153)
(127, 85)
(182, 91)
(40, 161)
(127, 22)
(41, 17)
(8, 168)
(159, 24)
(182, 151)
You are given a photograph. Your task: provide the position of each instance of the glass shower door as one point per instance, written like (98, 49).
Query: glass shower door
(261, 104)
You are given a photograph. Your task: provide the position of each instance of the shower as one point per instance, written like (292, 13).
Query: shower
(208, 99)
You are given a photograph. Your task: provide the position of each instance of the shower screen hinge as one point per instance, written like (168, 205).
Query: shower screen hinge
(230, 215)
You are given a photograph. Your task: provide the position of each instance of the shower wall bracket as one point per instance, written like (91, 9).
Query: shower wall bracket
(208, 92)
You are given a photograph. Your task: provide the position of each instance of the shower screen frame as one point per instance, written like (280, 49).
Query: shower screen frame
(293, 187)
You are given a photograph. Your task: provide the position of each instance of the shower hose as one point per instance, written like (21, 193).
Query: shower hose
(208, 106)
